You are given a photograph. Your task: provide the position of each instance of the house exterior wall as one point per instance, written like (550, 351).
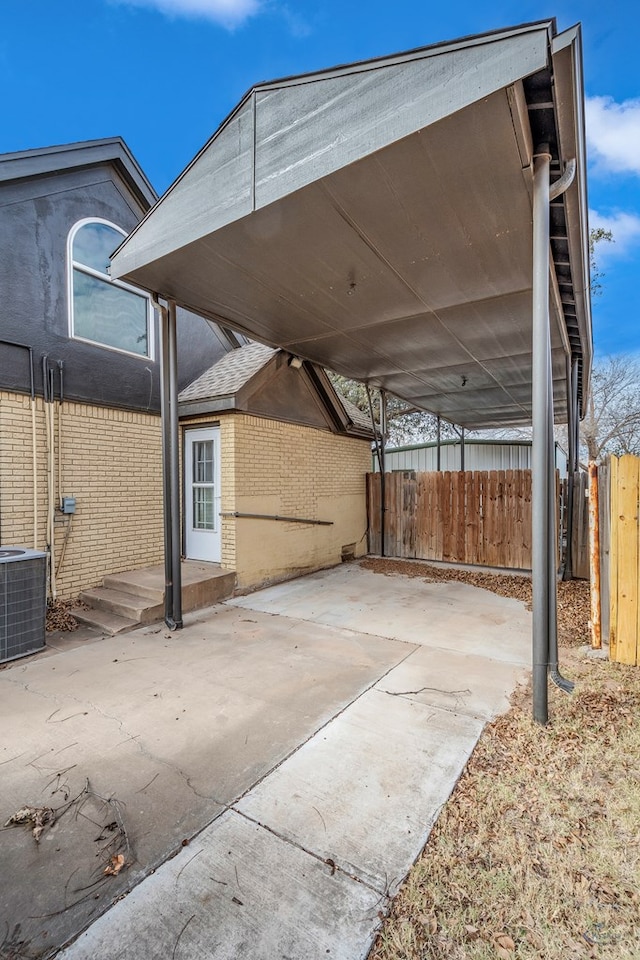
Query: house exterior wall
(111, 463)
(36, 216)
(272, 467)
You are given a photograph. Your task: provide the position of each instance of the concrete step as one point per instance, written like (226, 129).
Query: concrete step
(204, 584)
(137, 609)
(125, 600)
(103, 620)
(147, 583)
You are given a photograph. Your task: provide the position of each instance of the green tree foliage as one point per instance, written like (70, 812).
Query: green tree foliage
(597, 235)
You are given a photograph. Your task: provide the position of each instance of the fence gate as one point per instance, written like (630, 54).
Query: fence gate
(478, 517)
(624, 560)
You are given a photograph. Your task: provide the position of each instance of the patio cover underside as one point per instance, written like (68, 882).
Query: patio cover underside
(377, 220)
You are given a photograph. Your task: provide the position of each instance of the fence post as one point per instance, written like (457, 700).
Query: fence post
(594, 557)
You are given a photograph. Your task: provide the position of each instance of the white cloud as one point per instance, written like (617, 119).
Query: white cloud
(613, 134)
(624, 227)
(228, 13)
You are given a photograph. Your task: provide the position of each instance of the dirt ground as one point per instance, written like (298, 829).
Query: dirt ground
(537, 852)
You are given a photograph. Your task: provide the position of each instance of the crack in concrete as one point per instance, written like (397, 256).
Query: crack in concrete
(332, 864)
(318, 622)
(121, 729)
(322, 727)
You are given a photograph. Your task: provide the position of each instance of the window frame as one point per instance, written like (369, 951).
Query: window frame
(73, 265)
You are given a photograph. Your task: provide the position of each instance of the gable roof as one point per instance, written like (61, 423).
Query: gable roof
(235, 371)
(226, 377)
(24, 164)
(376, 219)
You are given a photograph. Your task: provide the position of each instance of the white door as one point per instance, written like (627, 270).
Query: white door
(202, 494)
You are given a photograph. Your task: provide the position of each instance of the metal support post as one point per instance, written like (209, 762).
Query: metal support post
(576, 414)
(462, 449)
(166, 464)
(541, 361)
(383, 468)
(174, 460)
(438, 442)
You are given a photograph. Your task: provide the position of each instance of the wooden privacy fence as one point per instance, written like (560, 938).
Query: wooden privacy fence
(480, 517)
(624, 559)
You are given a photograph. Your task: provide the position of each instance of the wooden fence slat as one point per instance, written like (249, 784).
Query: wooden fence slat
(613, 564)
(627, 625)
(605, 542)
(476, 517)
(439, 517)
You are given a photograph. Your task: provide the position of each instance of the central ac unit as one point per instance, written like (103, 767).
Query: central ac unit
(23, 602)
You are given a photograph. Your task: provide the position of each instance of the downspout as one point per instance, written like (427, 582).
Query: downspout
(554, 670)
(556, 190)
(34, 451)
(540, 446)
(567, 573)
(166, 467)
(52, 481)
(174, 453)
(48, 395)
(544, 639)
(60, 402)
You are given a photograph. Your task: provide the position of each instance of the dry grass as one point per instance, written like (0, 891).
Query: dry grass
(537, 852)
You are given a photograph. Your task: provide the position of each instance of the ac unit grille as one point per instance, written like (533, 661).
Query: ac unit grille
(23, 602)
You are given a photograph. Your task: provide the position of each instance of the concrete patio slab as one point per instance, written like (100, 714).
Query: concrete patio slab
(450, 615)
(462, 683)
(313, 752)
(238, 891)
(366, 790)
(175, 726)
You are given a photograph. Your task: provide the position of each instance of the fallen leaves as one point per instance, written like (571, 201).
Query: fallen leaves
(503, 945)
(573, 595)
(59, 616)
(40, 817)
(536, 853)
(115, 865)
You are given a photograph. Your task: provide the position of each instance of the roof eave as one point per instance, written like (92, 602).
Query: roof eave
(43, 161)
(567, 64)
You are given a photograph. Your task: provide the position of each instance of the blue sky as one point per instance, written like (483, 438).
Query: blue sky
(163, 74)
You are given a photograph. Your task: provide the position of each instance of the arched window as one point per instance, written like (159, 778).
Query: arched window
(105, 311)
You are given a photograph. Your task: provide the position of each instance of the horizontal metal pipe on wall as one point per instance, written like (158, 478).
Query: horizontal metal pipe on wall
(275, 516)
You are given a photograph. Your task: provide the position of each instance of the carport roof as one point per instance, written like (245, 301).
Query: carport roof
(376, 219)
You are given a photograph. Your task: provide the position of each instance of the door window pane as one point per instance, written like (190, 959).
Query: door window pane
(203, 518)
(203, 461)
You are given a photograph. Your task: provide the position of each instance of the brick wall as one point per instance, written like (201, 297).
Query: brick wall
(273, 467)
(111, 463)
